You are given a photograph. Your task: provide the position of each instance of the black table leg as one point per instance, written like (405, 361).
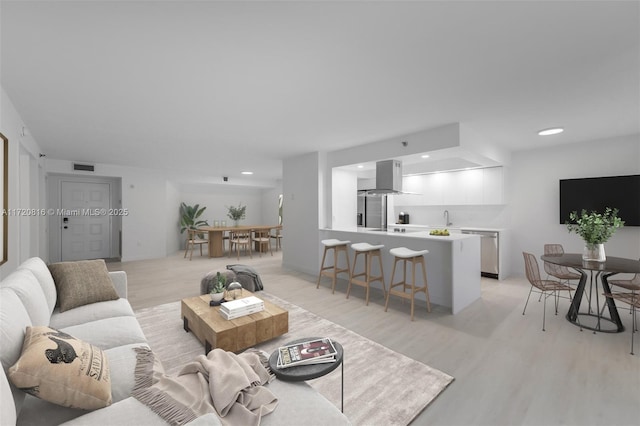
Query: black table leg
(574, 308)
(185, 324)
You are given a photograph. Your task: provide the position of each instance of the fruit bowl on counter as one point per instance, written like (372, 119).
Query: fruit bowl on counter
(439, 232)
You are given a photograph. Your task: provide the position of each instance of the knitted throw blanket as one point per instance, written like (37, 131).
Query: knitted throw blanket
(222, 382)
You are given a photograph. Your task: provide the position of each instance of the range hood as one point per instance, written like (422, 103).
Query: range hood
(388, 178)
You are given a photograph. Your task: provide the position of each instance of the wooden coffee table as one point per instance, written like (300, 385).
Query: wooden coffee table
(206, 323)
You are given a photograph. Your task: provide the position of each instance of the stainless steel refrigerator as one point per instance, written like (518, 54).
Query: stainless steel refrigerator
(372, 210)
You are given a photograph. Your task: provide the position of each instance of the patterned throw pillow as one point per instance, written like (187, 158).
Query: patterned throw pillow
(81, 283)
(61, 369)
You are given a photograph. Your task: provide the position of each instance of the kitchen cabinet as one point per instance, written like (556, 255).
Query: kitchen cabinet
(413, 185)
(465, 187)
(493, 186)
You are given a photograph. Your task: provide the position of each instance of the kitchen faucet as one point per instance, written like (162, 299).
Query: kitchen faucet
(446, 215)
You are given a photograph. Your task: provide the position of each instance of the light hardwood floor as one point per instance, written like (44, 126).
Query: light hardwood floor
(507, 370)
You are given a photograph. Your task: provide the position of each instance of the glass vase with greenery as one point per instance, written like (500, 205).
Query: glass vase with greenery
(595, 229)
(237, 213)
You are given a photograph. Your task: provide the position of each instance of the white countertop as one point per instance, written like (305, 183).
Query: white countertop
(456, 227)
(418, 234)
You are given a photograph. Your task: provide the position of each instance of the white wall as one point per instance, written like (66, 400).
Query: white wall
(302, 203)
(534, 194)
(262, 204)
(25, 185)
(270, 204)
(344, 202)
(174, 240)
(144, 194)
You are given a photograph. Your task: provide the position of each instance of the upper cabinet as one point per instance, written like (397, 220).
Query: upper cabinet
(466, 187)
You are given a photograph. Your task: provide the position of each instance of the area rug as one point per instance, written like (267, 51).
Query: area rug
(381, 387)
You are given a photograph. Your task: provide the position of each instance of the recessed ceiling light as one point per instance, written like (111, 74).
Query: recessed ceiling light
(425, 156)
(551, 131)
(247, 173)
(360, 166)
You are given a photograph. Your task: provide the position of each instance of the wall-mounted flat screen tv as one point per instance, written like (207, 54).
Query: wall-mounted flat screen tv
(598, 193)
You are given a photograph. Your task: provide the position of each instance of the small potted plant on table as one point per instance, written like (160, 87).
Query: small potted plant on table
(595, 229)
(237, 213)
(218, 288)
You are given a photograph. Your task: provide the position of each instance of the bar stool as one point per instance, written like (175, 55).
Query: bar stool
(332, 271)
(369, 251)
(415, 257)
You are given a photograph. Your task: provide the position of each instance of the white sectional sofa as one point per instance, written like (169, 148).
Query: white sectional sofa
(28, 297)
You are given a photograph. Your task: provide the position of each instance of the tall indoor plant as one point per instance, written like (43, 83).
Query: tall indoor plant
(190, 217)
(595, 229)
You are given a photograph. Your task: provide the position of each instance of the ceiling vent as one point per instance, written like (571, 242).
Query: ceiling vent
(84, 167)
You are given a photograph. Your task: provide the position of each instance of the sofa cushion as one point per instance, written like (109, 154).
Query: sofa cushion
(14, 321)
(122, 363)
(59, 368)
(299, 403)
(109, 332)
(40, 270)
(26, 286)
(82, 282)
(126, 412)
(92, 312)
(8, 415)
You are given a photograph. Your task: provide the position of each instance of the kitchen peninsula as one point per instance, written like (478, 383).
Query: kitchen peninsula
(453, 262)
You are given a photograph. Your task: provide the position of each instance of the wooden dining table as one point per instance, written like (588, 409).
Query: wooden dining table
(600, 271)
(216, 235)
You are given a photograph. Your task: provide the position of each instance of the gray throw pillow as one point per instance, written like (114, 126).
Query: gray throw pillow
(81, 283)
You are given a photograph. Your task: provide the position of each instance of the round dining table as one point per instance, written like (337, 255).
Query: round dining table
(603, 270)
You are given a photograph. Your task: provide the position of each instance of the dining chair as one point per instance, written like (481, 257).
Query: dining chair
(633, 299)
(632, 284)
(240, 239)
(558, 271)
(278, 237)
(547, 288)
(262, 237)
(194, 238)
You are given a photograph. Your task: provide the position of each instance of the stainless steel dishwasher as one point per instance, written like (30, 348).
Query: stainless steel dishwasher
(489, 252)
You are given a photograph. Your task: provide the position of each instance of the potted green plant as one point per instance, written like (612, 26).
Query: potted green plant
(218, 287)
(595, 229)
(236, 213)
(189, 217)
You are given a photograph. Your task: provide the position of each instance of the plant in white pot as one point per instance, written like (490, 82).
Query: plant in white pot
(595, 229)
(218, 288)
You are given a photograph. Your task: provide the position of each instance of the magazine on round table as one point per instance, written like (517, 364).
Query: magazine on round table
(311, 352)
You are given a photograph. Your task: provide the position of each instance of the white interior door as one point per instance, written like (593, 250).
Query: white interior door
(85, 221)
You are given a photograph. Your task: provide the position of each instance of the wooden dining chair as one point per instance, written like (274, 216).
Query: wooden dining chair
(195, 237)
(240, 239)
(277, 235)
(546, 287)
(262, 237)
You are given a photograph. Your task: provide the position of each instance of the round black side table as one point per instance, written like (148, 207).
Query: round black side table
(301, 373)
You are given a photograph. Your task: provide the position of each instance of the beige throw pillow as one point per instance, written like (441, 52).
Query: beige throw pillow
(61, 369)
(81, 283)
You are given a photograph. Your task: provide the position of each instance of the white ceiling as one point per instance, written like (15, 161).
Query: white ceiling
(221, 87)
